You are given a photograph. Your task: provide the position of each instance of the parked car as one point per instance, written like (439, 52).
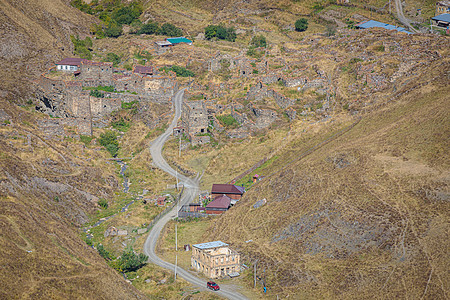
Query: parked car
(212, 286)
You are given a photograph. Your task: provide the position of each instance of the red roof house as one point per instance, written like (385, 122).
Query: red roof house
(219, 205)
(233, 191)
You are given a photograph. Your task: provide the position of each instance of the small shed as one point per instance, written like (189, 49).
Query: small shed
(255, 178)
(219, 205)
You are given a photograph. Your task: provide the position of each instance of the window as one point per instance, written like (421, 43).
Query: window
(221, 259)
(217, 260)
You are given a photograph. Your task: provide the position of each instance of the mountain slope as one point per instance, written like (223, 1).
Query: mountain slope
(33, 35)
(365, 214)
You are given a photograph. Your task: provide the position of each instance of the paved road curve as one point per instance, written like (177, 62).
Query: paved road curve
(190, 192)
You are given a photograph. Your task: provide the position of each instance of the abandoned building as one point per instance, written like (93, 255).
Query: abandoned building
(443, 7)
(235, 192)
(195, 122)
(215, 259)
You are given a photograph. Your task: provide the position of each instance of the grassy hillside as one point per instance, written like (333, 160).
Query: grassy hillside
(48, 188)
(365, 214)
(34, 34)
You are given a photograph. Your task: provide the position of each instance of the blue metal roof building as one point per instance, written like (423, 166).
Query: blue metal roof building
(442, 20)
(373, 23)
(178, 40)
(215, 244)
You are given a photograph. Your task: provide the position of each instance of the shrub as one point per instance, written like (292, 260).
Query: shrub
(103, 203)
(109, 141)
(170, 30)
(221, 32)
(113, 30)
(81, 47)
(97, 94)
(86, 139)
(103, 252)
(130, 261)
(149, 28)
(301, 24)
(228, 121)
(121, 125)
(259, 41)
(114, 58)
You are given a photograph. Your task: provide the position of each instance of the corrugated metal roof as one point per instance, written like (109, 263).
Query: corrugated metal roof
(71, 61)
(227, 189)
(209, 245)
(373, 24)
(178, 40)
(443, 17)
(220, 202)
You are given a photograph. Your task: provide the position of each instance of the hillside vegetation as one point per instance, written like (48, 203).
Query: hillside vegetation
(364, 214)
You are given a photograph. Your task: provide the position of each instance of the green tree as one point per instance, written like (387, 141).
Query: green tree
(130, 261)
(301, 24)
(170, 30)
(259, 41)
(149, 28)
(113, 30)
(210, 31)
(103, 203)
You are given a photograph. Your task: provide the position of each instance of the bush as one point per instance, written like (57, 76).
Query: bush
(103, 252)
(81, 47)
(103, 203)
(97, 94)
(259, 41)
(109, 141)
(149, 28)
(130, 261)
(221, 32)
(301, 24)
(179, 71)
(228, 121)
(86, 139)
(121, 125)
(114, 58)
(170, 30)
(113, 30)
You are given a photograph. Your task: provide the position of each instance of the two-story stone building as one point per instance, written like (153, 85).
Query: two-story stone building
(215, 259)
(195, 121)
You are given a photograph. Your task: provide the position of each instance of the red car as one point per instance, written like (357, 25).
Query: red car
(212, 286)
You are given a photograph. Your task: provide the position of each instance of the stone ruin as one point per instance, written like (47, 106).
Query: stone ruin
(71, 101)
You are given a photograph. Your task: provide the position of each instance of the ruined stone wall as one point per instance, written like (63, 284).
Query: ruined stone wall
(194, 118)
(92, 71)
(260, 91)
(199, 140)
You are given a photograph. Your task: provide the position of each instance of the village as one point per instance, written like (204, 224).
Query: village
(242, 95)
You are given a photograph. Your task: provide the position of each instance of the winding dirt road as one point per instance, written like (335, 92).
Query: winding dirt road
(191, 188)
(401, 16)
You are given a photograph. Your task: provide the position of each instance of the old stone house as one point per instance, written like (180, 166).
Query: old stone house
(443, 7)
(195, 121)
(215, 259)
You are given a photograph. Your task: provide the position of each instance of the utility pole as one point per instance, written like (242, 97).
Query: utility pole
(176, 262)
(254, 274)
(176, 176)
(179, 151)
(176, 237)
